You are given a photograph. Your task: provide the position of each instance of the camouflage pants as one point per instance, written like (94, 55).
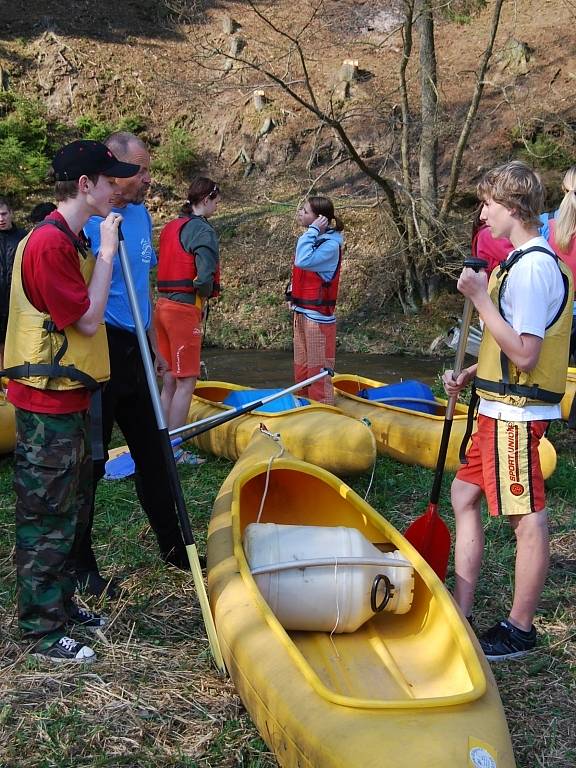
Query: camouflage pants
(53, 484)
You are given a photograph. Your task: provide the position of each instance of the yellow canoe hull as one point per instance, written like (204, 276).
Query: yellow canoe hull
(410, 436)
(568, 398)
(7, 425)
(316, 433)
(409, 690)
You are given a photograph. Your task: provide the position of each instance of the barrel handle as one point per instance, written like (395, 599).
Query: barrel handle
(388, 593)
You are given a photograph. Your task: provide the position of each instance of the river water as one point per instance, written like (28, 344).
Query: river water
(264, 368)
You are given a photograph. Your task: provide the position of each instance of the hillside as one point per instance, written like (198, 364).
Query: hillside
(159, 67)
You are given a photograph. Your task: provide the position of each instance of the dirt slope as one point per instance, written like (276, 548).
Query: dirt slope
(160, 62)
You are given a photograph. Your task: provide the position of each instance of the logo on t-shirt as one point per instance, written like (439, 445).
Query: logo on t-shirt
(146, 250)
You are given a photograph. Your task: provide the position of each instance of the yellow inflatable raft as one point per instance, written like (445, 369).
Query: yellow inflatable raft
(409, 436)
(410, 690)
(316, 433)
(7, 425)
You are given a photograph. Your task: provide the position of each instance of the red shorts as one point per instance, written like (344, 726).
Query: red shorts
(179, 334)
(503, 461)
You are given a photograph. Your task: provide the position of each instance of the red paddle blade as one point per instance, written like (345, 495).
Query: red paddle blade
(429, 535)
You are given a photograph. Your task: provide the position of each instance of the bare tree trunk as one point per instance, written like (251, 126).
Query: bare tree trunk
(429, 114)
(470, 117)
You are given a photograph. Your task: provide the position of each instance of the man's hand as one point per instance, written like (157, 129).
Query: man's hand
(109, 236)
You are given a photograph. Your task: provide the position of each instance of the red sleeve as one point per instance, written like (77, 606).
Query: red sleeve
(52, 277)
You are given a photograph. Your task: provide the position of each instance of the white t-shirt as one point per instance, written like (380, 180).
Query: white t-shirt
(532, 296)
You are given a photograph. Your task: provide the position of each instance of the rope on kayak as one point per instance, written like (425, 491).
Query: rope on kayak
(335, 627)
(276, 437)
(369, 424)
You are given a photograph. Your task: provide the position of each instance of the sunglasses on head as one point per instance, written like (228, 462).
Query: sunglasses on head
(214, 193)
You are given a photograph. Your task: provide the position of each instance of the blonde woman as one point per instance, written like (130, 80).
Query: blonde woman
(559, 228)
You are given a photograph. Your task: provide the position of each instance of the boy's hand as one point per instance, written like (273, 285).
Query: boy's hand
(109, 236)
(453, 386)
(321, 224)
(472, 284)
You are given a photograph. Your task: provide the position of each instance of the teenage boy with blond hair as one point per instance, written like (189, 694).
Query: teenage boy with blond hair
(520, 378)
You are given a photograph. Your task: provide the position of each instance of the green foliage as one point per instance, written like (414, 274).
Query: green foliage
(28, 139)
(23, 143)
(133, 124)
(90, 127)
(542, 150)
(463, 11)
(176, 156)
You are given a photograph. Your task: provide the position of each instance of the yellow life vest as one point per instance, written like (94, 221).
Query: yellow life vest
(497, 378)
(37, 353)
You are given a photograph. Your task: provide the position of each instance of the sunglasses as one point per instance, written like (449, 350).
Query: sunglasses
(214, 193)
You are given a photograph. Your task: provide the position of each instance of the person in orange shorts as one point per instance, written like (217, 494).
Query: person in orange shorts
(520, 379)
(188, 275)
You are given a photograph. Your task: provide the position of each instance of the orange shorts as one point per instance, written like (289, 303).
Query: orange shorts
(503, 461)
(179, 334)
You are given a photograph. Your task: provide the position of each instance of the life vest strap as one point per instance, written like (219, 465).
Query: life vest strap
(532, 392)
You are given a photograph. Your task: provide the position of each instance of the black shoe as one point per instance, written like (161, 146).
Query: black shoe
(80, 617)
(92, 583)
(180, 560)
(505, 641)
(66, 649)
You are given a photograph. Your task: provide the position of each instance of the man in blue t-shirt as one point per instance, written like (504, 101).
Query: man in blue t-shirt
(126, 398)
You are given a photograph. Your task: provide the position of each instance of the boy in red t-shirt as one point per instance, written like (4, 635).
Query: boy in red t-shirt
(56, 352)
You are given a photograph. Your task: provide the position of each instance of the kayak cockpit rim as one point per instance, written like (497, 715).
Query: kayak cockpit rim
(476, 680)
(362, 382)
(214, 392)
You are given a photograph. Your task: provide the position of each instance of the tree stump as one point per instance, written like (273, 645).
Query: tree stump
(348, 71)
(259, 100)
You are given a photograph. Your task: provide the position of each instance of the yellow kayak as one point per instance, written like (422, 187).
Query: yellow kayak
(568, 398)
(316, 433)
(410, 436)
(7, 425)
(409, 689)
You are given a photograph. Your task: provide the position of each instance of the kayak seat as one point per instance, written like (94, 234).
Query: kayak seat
(393, 394)
(239, 397)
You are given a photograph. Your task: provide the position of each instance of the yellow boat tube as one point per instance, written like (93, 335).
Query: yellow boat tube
(316, 433)
(7, 425)
(411, 690)
(413, 437)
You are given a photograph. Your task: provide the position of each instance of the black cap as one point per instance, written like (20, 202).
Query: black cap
(87, 158)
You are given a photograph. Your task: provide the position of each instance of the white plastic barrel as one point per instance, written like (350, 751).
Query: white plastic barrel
(323, 597)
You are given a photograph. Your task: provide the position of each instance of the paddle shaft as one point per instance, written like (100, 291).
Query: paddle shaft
(203, 425)
(124, 464)
(168, 456)
(476, 265)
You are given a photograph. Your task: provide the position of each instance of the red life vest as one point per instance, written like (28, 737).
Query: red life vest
(310, 291)
(569, 256)
(177, 267)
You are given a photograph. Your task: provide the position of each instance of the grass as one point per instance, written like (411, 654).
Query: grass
(154, 698)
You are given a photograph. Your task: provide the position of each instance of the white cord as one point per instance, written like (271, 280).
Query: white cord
(276, 437)
(371, 479)
(335, 627)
